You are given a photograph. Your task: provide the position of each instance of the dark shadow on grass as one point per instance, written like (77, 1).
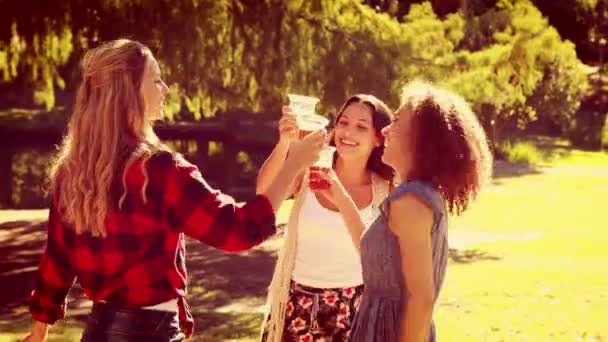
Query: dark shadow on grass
(21, 243)
(216, 279)
(237, 275)
(469, 256)
(506, 169)
(219, 279)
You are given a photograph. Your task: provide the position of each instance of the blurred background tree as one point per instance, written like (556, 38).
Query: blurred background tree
(526, 66)
(516, 64)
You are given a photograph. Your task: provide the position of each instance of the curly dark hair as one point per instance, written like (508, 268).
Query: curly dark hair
(381, 117)
(449, 145)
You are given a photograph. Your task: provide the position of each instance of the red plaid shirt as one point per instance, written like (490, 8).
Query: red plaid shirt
(141, 261)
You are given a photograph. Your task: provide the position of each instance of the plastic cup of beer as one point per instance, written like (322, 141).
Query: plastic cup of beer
(309, 123)
(302, 104)
(321, 167)
(304, 109)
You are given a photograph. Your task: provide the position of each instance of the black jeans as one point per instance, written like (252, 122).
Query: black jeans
(108, 323)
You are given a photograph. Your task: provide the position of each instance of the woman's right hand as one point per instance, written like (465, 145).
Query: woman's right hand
(305, 152)
(336, 193)
(288, 126)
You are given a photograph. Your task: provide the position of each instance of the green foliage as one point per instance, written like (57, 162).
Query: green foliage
(522, 152)
(588, 129)
(579, 21)
(525, 73)
(30, 170)
(37, 59)
(589, 121)
(503, 56)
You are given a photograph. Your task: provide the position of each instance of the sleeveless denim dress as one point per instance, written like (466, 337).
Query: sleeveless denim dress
(379, 315)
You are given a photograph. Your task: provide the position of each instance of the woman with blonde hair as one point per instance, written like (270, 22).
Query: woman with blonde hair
(441, 159)
(317, 283)
(122, 203)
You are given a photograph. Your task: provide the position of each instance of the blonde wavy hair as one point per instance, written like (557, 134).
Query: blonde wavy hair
(107, 132)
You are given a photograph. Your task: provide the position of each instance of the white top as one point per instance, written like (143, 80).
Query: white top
(325, 255)
(170, 305)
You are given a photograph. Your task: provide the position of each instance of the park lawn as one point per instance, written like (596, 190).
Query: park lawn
(541, 274)
(61, 332)
(529, 265)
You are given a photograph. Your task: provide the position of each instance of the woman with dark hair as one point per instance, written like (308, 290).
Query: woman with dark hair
(123, 202)
(441, 159)
(317, 283)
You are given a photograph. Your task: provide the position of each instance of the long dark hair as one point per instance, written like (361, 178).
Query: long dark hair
(381, 117)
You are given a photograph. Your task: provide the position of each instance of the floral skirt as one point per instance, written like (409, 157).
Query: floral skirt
(315, 314)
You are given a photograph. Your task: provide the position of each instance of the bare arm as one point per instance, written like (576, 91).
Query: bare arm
(192, 207)
(411, 220)
(282, 185)
(288, 133)
(288, 177)
(271, 166)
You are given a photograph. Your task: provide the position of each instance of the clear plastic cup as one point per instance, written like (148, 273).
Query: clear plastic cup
(301, 104)
(321, 167)
(304, 109)
(310, 123)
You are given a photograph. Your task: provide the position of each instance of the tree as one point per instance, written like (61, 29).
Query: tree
(503, 56)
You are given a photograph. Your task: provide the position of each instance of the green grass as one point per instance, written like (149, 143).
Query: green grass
(549, 284)
(535, 150)
(532, 265)
(61, 332)
(523, 152)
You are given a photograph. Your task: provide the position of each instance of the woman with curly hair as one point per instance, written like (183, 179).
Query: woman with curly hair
(441, 159)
